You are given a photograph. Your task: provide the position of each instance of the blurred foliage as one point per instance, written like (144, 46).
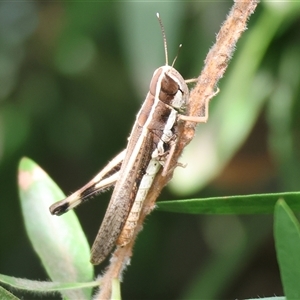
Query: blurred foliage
(73, 76)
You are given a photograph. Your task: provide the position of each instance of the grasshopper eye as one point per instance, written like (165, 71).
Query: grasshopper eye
(168, 89)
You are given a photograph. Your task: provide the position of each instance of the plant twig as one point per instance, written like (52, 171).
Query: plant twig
(216, 64)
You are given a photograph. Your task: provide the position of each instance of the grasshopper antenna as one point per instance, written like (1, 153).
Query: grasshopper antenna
(173, 63)
(164, 37)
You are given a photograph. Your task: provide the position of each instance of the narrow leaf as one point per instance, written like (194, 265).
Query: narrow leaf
(287, 241)
(249, 204)
(6, 295)
(59, 241)
(269, 298)
(116, 290)
(43, 287)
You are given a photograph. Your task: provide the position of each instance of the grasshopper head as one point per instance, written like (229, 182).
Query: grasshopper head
(169, 87)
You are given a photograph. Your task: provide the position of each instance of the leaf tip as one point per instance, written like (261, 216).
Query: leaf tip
(29, 172)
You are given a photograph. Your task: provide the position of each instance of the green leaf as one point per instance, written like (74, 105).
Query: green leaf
(287, 241)
(249, 204)
(59, 241)
(43, 287)
(6, 295)
(116, 290)
(269, 298)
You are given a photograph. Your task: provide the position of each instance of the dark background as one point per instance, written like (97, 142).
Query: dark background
(72, 78)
